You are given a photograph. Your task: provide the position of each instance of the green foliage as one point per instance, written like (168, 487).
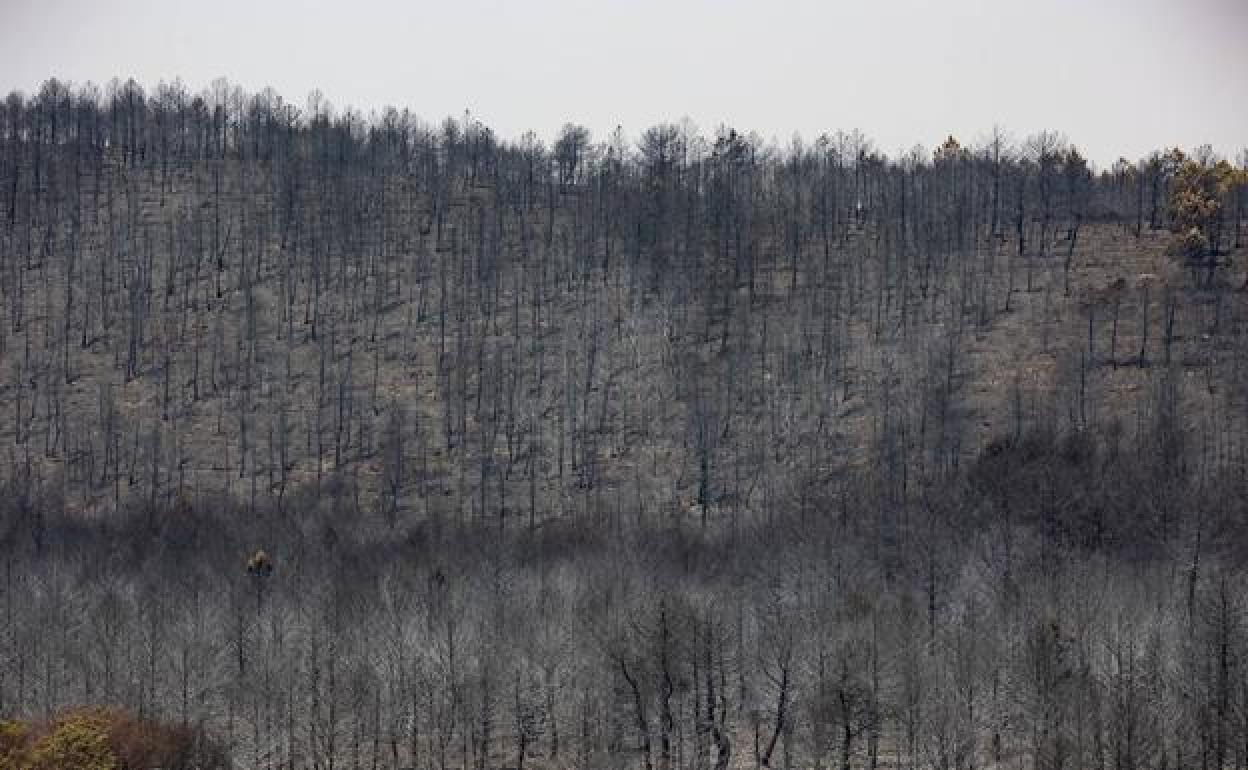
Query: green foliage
(949, 151)
(260, 565)
(103, 739)
(1196, 203)
(77, 741)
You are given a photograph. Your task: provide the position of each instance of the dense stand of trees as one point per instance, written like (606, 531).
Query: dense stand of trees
(674, 451)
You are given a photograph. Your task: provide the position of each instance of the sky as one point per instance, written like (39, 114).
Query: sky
(1118, 77)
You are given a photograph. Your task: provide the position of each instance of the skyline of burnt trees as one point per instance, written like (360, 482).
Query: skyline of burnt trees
(667, 450)
(333, 244)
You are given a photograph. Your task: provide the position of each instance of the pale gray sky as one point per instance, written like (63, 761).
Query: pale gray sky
(1117, 76)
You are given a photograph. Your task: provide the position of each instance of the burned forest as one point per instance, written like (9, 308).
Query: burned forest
(346, 440)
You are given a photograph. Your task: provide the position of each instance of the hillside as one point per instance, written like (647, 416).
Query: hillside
(468, 358)
(333, 441)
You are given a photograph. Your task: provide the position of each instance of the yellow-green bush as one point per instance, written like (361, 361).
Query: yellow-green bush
(78, 740)
(1196, 200)
(103, 739)
(13, 739)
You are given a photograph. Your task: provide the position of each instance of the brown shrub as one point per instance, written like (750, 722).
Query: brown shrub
(144, 744)
(97, 738)
(1191, 244)
(14, 737)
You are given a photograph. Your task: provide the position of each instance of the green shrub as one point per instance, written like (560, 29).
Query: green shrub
(105, 739)
(78, 740)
